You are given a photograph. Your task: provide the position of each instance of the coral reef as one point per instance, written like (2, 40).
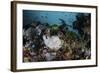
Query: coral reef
(46, 42)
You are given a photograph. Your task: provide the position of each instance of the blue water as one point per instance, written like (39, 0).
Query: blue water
(51, 17)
